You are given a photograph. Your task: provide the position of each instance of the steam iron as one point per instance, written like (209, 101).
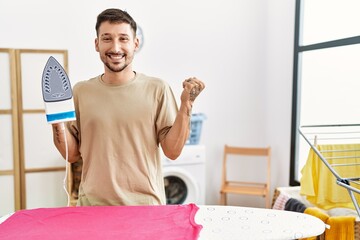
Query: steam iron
(57, 93)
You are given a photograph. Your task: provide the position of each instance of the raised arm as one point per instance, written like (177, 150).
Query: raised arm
(175, 140)
(59, 131)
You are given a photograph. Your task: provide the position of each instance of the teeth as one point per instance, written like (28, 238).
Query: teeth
(116, 56)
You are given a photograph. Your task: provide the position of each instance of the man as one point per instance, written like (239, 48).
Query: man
(122, 118)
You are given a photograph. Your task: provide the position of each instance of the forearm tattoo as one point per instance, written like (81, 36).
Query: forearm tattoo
(192, 95)
(195, 91)
(57, 133)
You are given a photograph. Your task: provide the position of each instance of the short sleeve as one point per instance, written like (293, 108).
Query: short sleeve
(167, 111)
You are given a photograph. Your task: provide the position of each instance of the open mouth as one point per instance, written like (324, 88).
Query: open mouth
(115, 57)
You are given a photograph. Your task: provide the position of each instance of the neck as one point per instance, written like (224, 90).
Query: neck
(118, 77)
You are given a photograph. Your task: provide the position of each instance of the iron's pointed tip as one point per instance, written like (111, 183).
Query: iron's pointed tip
(52, 60)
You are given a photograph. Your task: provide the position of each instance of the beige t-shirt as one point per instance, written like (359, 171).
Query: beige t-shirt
(119, 128)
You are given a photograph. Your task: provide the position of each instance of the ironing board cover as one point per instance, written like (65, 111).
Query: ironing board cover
(170, 222)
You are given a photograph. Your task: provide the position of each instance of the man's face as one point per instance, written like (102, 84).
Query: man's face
(116, 45)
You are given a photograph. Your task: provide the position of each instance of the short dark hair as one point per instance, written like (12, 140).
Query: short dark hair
(114, 15)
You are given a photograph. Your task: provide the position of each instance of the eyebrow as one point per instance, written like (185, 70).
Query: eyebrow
(108, 34)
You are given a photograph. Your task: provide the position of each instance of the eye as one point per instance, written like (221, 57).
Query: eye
(124, 39)
(106, 39)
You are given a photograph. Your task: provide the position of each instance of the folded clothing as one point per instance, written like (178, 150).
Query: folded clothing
(280, 202)
(294, 205)
(340, 227)
(170, 222)
(316, 212)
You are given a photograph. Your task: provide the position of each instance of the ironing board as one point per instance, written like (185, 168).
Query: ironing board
(236, 223)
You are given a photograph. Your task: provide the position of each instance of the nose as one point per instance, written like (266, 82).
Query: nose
(116, 46)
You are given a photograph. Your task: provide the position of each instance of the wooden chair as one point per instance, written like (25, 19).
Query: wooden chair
(243, 187)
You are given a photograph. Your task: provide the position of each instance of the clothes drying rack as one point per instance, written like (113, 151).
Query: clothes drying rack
(348, 134)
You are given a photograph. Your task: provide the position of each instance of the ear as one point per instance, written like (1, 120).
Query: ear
(97, 44)
(137, 43)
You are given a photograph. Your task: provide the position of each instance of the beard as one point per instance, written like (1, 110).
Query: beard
(117, 67)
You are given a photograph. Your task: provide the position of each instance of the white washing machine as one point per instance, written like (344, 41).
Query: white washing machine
(184, 177)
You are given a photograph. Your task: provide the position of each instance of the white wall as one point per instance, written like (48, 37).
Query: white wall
(280, 42)
(241, 49)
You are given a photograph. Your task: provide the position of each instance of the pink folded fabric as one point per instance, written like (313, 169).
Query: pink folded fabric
(280, 202)
(170, 222)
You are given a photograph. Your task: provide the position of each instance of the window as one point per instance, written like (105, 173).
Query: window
(326, 75)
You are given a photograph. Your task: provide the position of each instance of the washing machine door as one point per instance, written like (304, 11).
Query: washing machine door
(180, 186)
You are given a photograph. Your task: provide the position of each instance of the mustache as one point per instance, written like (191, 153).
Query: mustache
(115, 54)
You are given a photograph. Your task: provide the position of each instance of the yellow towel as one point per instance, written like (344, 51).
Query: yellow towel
(341, 228)
(319, 185)
(316, 212)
